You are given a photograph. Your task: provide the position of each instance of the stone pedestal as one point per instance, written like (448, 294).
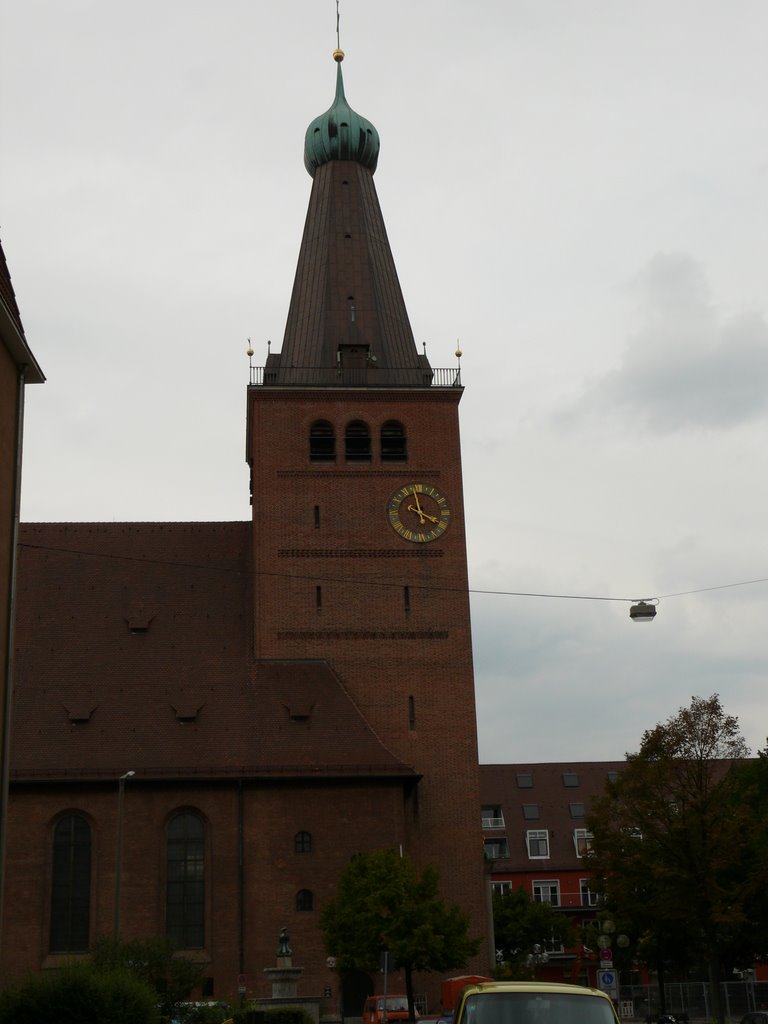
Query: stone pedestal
(285, 985)
(284, 978)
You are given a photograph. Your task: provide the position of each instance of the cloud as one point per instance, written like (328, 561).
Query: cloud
(687, 365)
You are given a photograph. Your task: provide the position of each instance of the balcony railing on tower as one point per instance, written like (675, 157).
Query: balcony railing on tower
(356, 377)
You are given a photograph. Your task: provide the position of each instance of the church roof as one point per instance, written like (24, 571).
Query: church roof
(11, 328)
(134, 652)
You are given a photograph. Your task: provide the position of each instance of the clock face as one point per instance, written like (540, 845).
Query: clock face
(419, 512)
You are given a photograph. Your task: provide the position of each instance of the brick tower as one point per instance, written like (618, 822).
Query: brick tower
(359, 557)
(282, 693)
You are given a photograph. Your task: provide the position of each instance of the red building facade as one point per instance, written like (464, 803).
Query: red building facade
(536, 839)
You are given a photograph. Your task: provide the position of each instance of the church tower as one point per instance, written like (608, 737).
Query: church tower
(359, 555)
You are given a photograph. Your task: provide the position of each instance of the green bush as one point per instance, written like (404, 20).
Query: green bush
(79, 995)
(213, 1013)
(285, 1015)
(153, 961)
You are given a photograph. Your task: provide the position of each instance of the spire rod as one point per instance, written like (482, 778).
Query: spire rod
(338, 53)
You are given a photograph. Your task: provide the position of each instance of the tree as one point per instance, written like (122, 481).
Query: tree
(750, 941)
(153, 961)
(669, 837)
(520, 923)
(384, 904)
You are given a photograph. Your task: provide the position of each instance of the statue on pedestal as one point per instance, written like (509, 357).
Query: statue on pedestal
(284, 949)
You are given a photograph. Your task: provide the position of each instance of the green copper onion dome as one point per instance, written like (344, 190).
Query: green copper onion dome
(340, 133)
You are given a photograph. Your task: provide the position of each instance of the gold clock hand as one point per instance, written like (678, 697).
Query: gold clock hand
(423, 516)
(418, 512)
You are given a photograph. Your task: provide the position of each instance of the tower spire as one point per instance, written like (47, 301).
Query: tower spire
(347, 310)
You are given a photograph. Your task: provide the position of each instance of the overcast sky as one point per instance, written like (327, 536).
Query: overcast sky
(574, 189)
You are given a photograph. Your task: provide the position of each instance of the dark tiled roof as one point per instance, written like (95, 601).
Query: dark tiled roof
(134, 651)
(6, 291)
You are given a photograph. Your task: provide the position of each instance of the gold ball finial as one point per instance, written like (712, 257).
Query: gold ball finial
(338, 56)
(249, 350)
(458, 350)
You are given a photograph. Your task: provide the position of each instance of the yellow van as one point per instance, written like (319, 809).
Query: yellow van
(533, 1002)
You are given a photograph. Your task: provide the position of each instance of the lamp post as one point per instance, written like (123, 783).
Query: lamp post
(119, 849)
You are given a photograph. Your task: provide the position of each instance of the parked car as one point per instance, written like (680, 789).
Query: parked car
(524, 1002)
(396, 1007)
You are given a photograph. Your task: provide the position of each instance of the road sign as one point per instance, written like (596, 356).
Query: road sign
(608, 981)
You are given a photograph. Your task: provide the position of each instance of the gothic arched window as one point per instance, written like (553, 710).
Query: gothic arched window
(71, 885)
(185, 880)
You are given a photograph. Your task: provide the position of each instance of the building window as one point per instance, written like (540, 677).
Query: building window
(393, 444)
(537, 841)
(322, 442)
(577, 809)
(304, 899)
(588, 898)
(553, 945)
(582, 841)
(524, 780)
(357, 442)
(185, 881)
(493, 816)
(496, 849)
(502, 888)
(531, 812)
(302, 842)
(547, 891)
(71, 885)
(570, 780)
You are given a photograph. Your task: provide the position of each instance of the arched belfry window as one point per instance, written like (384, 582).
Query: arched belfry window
(357, 442)
(71, 885)
(322, 442)
(393, 442)
(185, 880)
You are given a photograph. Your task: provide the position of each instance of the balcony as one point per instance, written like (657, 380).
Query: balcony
(369, 376)
(493, 822)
